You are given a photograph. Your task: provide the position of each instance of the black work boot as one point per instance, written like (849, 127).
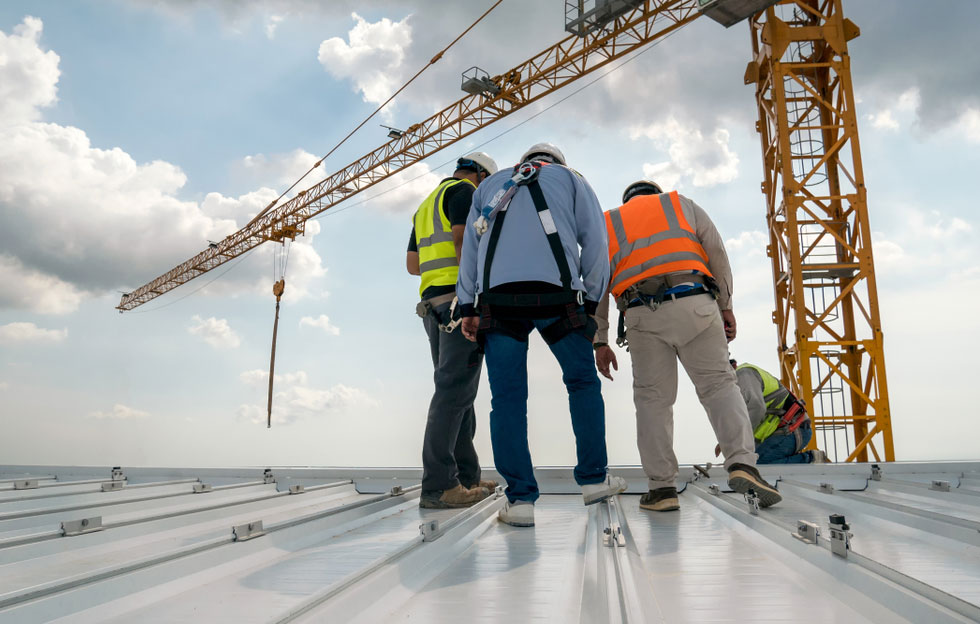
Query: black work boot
(742, 478)
(660, 499)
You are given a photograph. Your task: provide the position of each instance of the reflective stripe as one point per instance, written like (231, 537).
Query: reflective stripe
(438, 237)
(626, 250)
(669, 213)
(633, 271)
(438, 263)
(617, 222)
(547, 221)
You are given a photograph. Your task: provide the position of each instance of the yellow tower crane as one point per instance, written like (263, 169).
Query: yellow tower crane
(828, 326)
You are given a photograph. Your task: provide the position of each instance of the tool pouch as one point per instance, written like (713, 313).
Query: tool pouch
(422, 308)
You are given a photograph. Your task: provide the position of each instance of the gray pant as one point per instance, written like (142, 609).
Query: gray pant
(691, 330)
(448, 455)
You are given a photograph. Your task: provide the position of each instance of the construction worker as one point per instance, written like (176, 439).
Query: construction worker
(450, 466)
(543, 268)
(779, 420)
(670, 277)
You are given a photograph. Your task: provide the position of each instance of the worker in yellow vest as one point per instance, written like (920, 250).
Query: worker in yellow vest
(672, 284)
(450, 466)
(779, 421)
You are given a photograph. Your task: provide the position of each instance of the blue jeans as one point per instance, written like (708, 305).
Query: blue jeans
(506, 362)
(784, 449)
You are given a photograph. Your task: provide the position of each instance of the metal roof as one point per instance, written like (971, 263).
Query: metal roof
(79, 544)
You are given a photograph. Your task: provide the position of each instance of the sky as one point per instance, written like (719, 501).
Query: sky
(132, 132)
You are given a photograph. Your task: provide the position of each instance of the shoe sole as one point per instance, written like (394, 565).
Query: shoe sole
(742, 482)
(441, 505)
(667, 504)
(515, 523)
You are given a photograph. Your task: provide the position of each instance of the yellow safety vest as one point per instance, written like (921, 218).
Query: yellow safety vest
(774, 394)
(434, 239)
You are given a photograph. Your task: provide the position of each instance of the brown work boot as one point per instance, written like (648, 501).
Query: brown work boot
(660, 499)
(742, 478)
(454, 498)
(485, 483)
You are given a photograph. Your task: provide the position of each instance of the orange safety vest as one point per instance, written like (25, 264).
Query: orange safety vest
(649, 236)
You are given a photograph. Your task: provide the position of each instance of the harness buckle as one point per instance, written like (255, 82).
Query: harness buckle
(579, 297)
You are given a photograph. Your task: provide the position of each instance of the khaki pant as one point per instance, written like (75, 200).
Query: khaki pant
(689, 329)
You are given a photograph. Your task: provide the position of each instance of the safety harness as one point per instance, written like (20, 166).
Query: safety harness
(791, 416)
(573, 317)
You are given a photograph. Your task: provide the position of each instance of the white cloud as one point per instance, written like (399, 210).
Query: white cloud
(281, 170)
(28, 75)
(35, 291)
(29, 332)
(120, 412)
(271, 23)
(969, 124)
(294, 399)
(321, 322)
(883, 120)
(372, 57)
(117, 223)
(751, 243)
(215, 332)
(705, 160)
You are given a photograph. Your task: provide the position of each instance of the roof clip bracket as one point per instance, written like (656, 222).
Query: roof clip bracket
(201, 488)
(714, 489)
(753, 500)
(297, 489)
(806, 532)
(875, 472)
(430, 531)
(245, 532)
(267, 476)
(117, 474)
(26, 484)
(112, 486)
(840, 535)
(939, 486)
(827, 488)
(70, 528)
(396, 490)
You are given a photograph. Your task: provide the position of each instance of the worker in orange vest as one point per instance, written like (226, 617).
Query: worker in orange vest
(671, 280)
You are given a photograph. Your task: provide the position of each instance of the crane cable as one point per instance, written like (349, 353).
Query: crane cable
(281, 258)
(431, 62)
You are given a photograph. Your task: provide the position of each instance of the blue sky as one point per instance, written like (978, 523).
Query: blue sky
(173, 122)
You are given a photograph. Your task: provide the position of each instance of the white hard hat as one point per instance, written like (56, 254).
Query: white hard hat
(641, 187)
(480, 159)
(548, 150)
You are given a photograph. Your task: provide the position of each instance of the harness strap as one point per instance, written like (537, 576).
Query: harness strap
(551, 230)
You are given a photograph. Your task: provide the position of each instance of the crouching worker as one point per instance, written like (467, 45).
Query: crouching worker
(534, 257)
(779, 420)
(450, 466)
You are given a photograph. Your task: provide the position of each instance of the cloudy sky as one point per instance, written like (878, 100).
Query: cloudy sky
(134, 131)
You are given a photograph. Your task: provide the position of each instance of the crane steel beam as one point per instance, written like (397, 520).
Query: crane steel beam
(552, 69)
(827, 318)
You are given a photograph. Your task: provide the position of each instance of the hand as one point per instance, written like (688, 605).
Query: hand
(730, 328)
(717, 450)
(469, 326)
(604, 356)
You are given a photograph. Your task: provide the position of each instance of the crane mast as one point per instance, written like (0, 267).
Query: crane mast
(830, 344)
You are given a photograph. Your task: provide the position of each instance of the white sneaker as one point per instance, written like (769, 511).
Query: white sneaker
(598, 492)
(518, 514)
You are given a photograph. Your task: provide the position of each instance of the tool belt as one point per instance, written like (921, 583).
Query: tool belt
(572, 319)
(789, 418)
(428, 306)
(653, 293)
